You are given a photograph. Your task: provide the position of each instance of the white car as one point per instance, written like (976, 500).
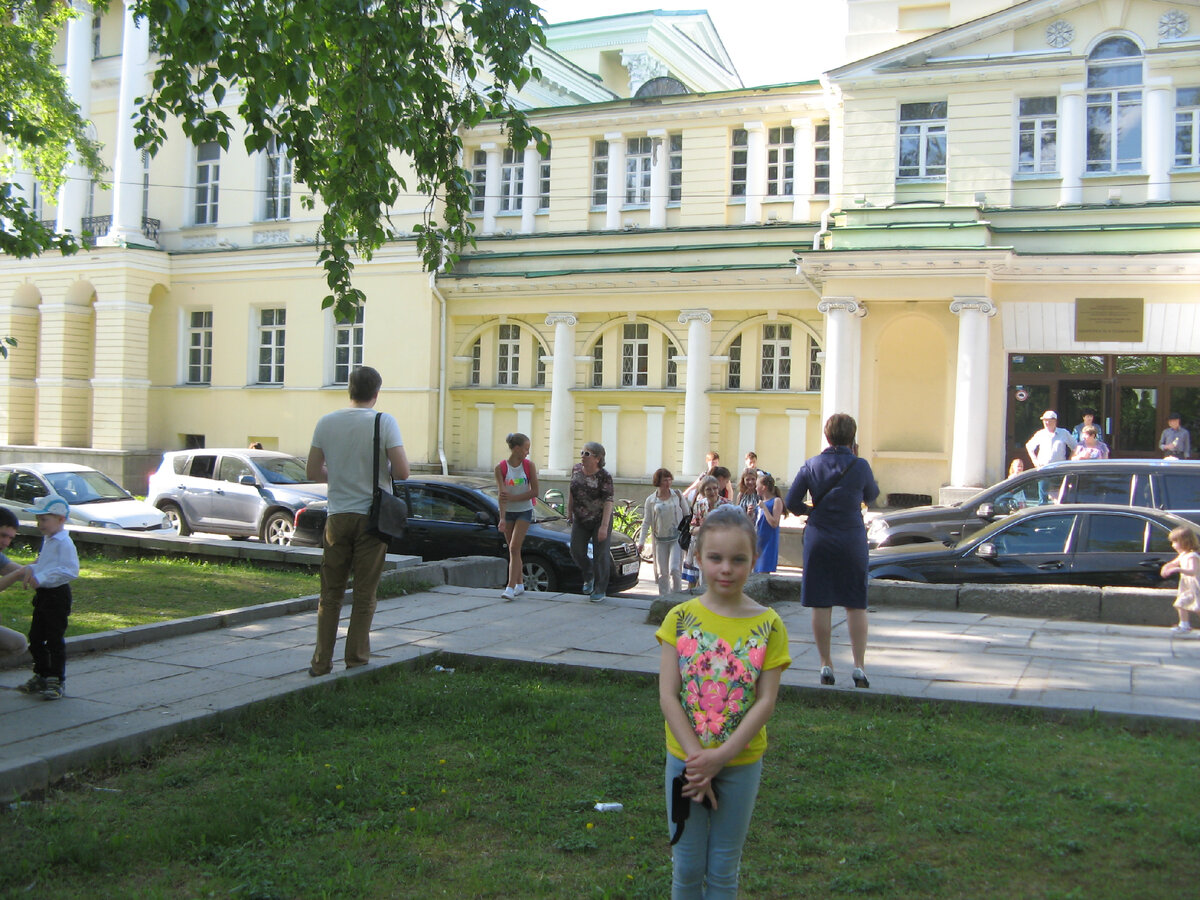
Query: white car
(96, 500)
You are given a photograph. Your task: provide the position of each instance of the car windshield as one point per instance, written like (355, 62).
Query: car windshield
(541, 511)
(86, 487)
(282, 469)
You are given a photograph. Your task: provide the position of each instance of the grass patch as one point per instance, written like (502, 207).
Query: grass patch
(480, 784)
(118, 593)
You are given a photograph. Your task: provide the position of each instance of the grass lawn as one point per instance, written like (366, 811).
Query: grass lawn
(480, 783)
(117, 593)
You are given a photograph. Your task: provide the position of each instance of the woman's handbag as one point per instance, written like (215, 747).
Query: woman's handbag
(684, 536)
(389, 514)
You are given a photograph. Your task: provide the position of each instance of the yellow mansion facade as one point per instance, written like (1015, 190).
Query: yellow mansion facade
(991, 209)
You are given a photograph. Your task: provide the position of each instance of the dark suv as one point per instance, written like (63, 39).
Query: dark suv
(1173, 485)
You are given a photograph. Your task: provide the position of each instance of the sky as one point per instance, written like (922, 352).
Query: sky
(770, 41)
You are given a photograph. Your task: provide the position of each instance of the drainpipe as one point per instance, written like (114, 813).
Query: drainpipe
(824, 227)
(442, 338)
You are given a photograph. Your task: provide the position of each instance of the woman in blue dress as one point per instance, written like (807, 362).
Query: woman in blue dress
(835, 541)
(769, 512)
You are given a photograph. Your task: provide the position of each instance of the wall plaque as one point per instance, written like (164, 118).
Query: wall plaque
(1109, 319)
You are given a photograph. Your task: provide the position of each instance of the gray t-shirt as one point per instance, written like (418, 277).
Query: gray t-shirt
(346, 438)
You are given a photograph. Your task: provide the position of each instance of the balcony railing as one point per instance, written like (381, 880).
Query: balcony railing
(92, 227)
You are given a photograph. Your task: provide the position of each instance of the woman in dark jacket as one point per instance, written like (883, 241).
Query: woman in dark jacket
(835, 540)
(589, 513)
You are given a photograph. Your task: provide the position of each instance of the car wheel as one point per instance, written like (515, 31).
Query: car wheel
(278, 528)
(175, 516)
(538, 574)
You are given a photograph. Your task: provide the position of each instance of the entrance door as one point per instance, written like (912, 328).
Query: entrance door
(1137, 421)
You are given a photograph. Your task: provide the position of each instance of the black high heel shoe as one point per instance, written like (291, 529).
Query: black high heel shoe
(826, 675)
(860, 678)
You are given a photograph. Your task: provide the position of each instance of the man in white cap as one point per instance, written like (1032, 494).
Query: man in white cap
(1051, 443)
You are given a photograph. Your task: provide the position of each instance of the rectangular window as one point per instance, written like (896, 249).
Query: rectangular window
(476, 362)
(508, 355)
(1037, 135)
(781, 161)
(512, 180)
(347, 347)
(734, 381)
(540, 367)
(36, 206)
(1187, 127)
(544, 181)
(200, 343)
(639, 156)
(635, 355)
(672, 366)
(478, 175)
(776, 358)
(96, 37)
(814, 365)
(598, 364)
(1114, 131)
(600, 174)
(739, 155)
(208, 177)
(145, 184)
(675, 169)
(922, 150)
(821, 159)
(279, 182)
(271, 334)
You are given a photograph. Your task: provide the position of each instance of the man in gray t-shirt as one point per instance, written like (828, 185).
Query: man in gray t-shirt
(342, 444)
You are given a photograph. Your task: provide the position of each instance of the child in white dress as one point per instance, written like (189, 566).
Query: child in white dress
(1187, 564)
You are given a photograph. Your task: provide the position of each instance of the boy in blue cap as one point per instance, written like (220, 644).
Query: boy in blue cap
(50, 576)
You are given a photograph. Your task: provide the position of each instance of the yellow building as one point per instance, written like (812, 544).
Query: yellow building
(992, 210)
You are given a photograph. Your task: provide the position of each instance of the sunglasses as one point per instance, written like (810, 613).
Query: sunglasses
(681, 806)
(586, 453)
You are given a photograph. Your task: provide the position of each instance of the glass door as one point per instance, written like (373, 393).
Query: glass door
(1137, 421)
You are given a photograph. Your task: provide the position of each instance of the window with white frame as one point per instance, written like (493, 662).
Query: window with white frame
(600, 174)
(272, 334)
(922, 150)
(544, 181)
(675, 168)
(635, 355)
(279, 182)
(1114, 106)
(815, 358)
(96, 22)
(733, 379)
(1187, 126)
(36, 204)
(672, 379)
(208, 178)
(200, 344)
(1037, 135)
(476, 363)
(508, 355)
(639, 159)
(512, 180)
(598, 363)
(540, 364)
(347, 347)
(781, 161)
(145, 184)
(821, 159)
(776, 373)
(740, 161)
(478, 176)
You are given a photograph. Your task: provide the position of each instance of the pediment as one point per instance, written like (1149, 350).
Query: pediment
(1035, 31)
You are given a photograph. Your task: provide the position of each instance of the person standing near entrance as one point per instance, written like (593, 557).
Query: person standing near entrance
(1176, 441)
(341, 455)
(1051, 443)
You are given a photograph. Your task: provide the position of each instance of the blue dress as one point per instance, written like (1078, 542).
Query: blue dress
(768, 541)
(835, 539)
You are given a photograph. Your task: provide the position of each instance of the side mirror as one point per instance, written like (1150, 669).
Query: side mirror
(484, 518)
(248, 480)
(986, 550)
(985, 511)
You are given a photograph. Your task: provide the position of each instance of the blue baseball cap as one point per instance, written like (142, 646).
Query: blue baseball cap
(50, 505)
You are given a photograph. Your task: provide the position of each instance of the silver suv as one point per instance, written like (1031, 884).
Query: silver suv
(237, 492)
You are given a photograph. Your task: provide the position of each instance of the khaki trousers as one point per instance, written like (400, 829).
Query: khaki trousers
(349, 549)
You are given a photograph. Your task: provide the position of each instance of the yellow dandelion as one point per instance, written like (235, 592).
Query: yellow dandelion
(339, 787)
(441, 762)
(590, 826)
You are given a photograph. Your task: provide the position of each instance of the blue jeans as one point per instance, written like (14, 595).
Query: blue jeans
(708, 855)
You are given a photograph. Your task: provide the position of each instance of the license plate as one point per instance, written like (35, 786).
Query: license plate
(630, 568)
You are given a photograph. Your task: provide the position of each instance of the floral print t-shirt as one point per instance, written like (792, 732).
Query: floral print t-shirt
(720, 660)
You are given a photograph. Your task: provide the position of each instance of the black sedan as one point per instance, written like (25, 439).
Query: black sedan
(1088, 544)
(452, 516)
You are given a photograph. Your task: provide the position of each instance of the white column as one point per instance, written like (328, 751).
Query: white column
(616, 180)
(491, 190)
(1071, 130)
(72, 196)
(696, 429)
(968, 458)
(747, 429)
(485, 424)
(562, 403)
(609, 435)
(797, 451)
(127, 170)
(756, 170)
(660, 177)
(1159, 129)
(839, 391)
(654, 436)
(524, 417)
(531, 188)
(805, 172)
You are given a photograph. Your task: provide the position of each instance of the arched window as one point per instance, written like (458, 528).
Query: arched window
(1114, 106)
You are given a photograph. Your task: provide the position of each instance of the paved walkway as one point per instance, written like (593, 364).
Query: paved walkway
(122, 700)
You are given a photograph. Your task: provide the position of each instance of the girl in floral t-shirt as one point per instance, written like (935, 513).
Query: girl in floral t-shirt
(722, 658)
